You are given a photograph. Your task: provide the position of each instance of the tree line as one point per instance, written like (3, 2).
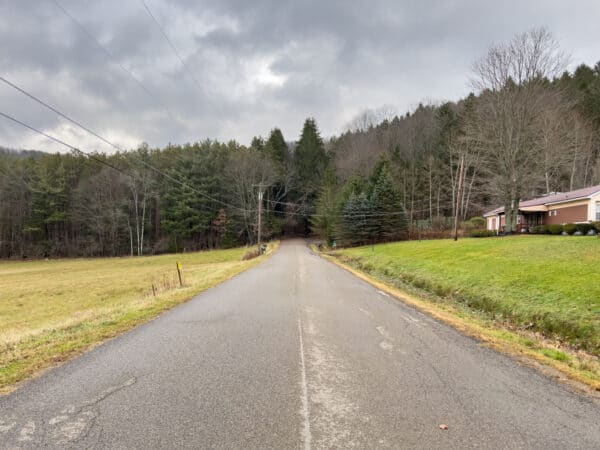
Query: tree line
(529, 128)
(146, 201)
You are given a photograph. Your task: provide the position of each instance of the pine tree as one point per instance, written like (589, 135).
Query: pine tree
(351, 221)
(388, 221)
(48, 203)
(276, 147)
(310, 163)
(277, 150)
(325, 221)
(349, 228)
(357, 226)
(187, 215)
(367, 223)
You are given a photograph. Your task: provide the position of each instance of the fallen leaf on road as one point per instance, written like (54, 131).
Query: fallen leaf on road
(443, 426)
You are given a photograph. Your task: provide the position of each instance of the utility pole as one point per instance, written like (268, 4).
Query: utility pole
(260, 209)
(260, 198)
(459, 195)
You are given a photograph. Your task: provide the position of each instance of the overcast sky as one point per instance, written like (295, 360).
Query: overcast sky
(250, 65)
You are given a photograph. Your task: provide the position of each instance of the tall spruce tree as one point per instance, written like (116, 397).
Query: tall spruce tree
(357, 226)
(310, 163)
(276, 147)
(325, 220)
(388, 221)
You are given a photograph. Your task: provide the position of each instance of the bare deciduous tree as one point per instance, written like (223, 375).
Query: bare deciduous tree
(509, 114)
(370, 117)
(246, 173)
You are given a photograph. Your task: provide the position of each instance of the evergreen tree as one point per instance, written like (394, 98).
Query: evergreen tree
(356, 220)
(388, 221)
(349, 204)
(325, 221)
(367, 222)
(187, 215)
(310, 163)
(49, 203)
(277, 150)
(276, 147)
(351, 221)
(258, 143)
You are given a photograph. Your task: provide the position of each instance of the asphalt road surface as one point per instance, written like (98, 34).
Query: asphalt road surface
(296, 353)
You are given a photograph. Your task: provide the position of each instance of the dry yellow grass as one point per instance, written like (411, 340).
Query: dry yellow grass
(52, 310)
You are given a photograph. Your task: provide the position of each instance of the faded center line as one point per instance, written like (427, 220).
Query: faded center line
(306, 434)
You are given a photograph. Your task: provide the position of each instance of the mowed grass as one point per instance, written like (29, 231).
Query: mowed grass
(52, 310)
(549, 284)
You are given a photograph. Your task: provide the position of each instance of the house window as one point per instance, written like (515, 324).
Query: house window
(598, 211)
(552, 213)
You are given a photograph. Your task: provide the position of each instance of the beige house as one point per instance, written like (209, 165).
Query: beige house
(581, 205)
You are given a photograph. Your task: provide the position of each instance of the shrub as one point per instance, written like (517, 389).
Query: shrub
(477, 222)
(584, 227)
(539, 229)
(251, 254)
(441, 223)
(554, 228)
(596, 226)
(570, 228)
(482, 233)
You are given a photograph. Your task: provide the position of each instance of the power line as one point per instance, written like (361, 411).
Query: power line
(342, 215)
(111, 56)
(93, 133)
(56, 111)
(58, 141)
(299, 204)
(175, 51)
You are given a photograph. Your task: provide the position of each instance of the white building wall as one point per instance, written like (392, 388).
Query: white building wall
(592, 207)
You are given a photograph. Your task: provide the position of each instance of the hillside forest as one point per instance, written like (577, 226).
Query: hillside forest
(529, 127)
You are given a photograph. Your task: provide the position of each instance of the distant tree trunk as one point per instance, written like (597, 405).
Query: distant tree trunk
(141, 240)
(130, 237)
(430, 167)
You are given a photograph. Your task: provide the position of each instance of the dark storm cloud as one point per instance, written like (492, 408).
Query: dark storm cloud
(255, 64)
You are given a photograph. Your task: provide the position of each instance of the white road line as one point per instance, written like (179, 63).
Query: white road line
(306, 434)
(385, 294)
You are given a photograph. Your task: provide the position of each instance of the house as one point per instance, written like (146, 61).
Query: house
(581, 205)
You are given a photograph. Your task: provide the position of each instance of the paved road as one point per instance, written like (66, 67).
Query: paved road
(296, 353)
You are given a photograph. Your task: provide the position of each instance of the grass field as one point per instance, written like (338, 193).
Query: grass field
(52, 310)
(548, 284)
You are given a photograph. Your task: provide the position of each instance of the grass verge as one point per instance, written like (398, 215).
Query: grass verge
(51, 311)
(527, 292)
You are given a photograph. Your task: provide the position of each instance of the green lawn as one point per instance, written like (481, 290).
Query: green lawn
(51, 310)
(546, 283)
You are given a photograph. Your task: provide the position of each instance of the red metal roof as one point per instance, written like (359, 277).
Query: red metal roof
(554, 198)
